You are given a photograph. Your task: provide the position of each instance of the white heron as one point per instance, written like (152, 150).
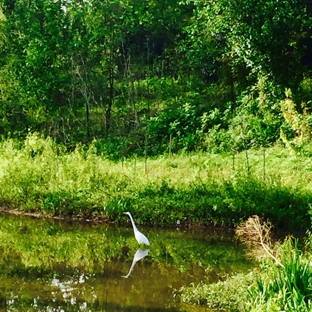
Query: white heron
(140, 237)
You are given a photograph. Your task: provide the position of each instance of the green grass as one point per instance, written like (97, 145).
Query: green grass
(39, 176)
(286, 288)
(228, 295)
(267, 288)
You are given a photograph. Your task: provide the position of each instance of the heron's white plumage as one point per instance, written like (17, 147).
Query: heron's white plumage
(140, 237)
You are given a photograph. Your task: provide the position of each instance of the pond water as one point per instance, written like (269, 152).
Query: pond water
(50, 265)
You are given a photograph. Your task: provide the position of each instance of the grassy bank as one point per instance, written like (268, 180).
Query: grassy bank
(269, 288)
(282, 281)
(39, 176)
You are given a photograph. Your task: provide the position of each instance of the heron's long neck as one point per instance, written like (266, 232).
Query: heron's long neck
(133, 224)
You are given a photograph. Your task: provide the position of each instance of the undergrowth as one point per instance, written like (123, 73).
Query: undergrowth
(223, 189)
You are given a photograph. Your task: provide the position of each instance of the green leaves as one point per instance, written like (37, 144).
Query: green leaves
(126, 72)
(260, 33)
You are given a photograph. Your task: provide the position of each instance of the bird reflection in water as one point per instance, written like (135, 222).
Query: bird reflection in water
(140, 254)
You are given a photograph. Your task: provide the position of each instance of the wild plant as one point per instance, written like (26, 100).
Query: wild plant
(39, 175)
(286, 283)
(298, 122)
(257, 236)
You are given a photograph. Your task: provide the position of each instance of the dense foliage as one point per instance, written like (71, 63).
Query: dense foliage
(134, 78)
(145, 76)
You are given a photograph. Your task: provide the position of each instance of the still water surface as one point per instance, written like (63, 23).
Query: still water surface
(49, 265)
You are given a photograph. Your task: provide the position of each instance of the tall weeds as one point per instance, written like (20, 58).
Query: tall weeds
(38, 175)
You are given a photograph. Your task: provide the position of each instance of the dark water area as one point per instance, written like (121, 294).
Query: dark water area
(50, 265)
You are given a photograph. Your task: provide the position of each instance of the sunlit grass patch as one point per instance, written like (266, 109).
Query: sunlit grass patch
(39, 175)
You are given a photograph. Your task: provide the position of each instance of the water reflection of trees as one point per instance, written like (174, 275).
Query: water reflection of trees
(44, 245)
(48, 266)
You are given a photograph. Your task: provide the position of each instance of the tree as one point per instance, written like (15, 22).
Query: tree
(263, 35)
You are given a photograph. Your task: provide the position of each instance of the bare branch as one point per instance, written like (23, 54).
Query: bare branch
(256, 235)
